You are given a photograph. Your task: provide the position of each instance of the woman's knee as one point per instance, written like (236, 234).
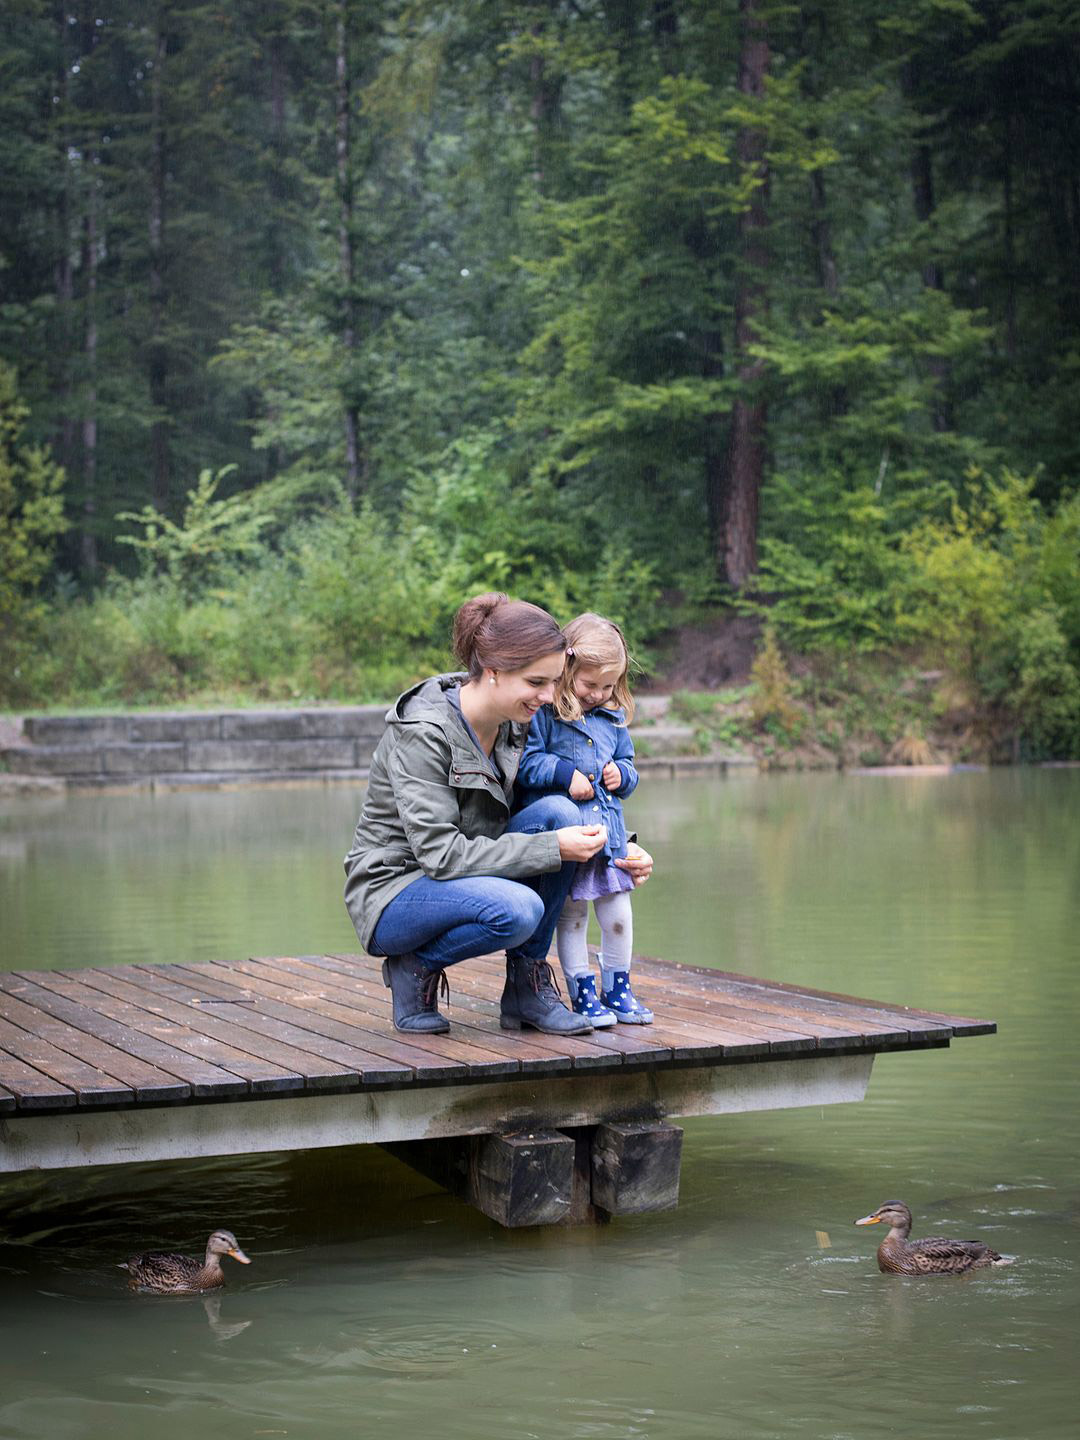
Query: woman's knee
(514, 915)
(550, 812)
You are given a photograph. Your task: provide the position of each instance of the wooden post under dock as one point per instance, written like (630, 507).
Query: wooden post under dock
(135, 1063)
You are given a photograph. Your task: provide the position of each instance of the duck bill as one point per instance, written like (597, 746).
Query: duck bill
(238, 1254)
(869, 1220)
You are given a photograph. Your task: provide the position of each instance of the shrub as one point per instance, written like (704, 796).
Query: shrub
(213, 533)
(31, 520)
(830, 570)
(771, 703)
(1047, 695)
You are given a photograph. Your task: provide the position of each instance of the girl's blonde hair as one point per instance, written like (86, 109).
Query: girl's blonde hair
(595, 642)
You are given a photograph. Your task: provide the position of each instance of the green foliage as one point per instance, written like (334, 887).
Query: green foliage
(991, 591)
(471, 526)
(213, 534)
(829, 579)
(772, 702)
(537, 336)
(31, 520)
(719, 718)
(1047, 695)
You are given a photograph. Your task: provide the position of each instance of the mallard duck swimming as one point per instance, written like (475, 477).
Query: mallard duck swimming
(168, 1274)
(936, 1255)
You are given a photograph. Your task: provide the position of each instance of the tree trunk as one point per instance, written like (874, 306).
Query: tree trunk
(543, 105)
(88, 550)
(922, 187)
(1009, 236)
(158, 355)
(346, 257)
(88, 534)
(744, 466)
(277, 184)
(821, 231)
(65, 279)
(828, 276)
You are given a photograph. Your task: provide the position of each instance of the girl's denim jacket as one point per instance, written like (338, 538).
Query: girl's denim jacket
(556, 748)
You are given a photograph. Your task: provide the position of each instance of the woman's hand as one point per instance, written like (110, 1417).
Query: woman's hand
(580, 787)
(581, 842)
(611, 775)
(638, 863)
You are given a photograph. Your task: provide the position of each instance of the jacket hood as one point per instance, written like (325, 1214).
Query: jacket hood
(425, 701)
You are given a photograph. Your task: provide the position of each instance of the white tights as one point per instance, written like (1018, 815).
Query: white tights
(614, 914)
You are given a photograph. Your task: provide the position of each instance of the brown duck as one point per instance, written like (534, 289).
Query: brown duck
(164, 1273)
(936, 1255)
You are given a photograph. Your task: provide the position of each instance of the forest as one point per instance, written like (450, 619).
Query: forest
(316, 318)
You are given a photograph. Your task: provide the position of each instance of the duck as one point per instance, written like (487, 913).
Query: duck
(936, 1255)
(164, 1273)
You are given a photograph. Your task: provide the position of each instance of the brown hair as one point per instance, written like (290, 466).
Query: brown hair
(593, 641)
(493, 632)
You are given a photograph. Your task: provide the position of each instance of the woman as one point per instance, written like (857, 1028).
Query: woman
(438, 870)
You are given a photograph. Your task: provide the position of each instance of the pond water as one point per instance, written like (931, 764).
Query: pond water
(378, 1306)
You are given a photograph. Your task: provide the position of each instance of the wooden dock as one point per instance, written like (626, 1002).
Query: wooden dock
(128, 1063)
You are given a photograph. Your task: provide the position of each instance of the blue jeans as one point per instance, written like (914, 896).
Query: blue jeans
(444, 921)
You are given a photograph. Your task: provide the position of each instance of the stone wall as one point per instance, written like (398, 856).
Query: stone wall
(196, 748)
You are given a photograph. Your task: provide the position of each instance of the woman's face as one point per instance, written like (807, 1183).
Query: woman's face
(594, 685)
(518, 694)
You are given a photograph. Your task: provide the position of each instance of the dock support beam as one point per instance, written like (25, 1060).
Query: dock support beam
(635, 1168)
(419, 1114)
(548, 1177)
(526, 1178)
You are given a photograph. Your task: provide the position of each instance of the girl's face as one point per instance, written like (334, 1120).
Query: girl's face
(594, 685)
(518, 694)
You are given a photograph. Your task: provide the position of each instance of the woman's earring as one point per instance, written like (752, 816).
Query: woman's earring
(491, 679)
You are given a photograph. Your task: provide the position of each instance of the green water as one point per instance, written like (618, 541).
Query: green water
(377, 1306)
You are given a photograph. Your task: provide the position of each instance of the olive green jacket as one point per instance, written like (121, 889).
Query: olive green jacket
(436, 806)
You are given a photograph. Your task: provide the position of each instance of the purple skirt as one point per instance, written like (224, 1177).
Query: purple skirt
(597, 877)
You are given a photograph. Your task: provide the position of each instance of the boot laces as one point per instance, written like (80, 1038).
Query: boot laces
(542, 977)
(433, 988)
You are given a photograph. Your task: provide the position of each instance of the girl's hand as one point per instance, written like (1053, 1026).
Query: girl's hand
(580, 842)
(611, 775)
(638, 863)
(580, 787)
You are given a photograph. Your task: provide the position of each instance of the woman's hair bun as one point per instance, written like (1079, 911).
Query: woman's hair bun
(491, 631)
(468, 620)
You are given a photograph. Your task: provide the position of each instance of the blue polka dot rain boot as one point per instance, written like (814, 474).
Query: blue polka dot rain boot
(618, 996)
(585, 1001)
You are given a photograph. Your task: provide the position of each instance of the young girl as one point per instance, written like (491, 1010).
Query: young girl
(580, 746)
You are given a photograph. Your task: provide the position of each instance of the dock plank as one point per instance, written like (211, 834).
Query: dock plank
(145, 1081)
(819, 1029)
(959, 1024)
(682, 1038)
(342, 1023)
(526, 1047)
(296, 1026)
(136, 1036)
(238, 1028)
(117, 1018)
(594, 1051)
(717, 988)
(31, 1088)
(373, 1013)
(90, 1085)
(189, 1030)
(481, 980)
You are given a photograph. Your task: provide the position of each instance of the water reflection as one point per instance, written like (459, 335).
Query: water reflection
(379, 1305)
